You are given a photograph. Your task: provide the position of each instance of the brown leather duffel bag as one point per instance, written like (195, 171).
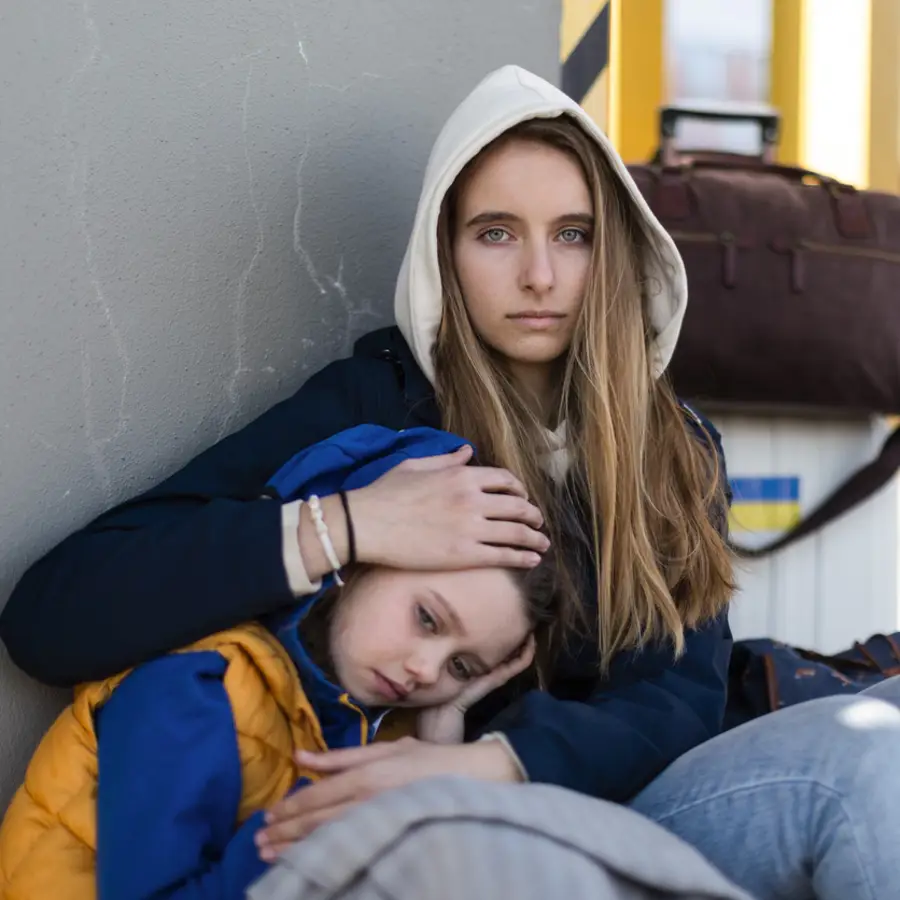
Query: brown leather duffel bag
(794, 283)
(794, 280)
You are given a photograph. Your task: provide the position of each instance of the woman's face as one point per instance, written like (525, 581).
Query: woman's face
(522, 250)
(402, 638)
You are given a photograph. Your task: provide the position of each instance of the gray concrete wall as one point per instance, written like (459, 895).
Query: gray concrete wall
(200, 204)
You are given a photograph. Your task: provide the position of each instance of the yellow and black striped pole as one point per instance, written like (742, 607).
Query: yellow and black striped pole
(584, 50)
(612, 64)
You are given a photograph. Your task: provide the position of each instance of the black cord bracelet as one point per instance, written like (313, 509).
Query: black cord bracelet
(351, 534)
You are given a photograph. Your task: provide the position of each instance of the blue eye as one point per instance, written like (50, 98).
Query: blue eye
(573, 236)
(495, 235)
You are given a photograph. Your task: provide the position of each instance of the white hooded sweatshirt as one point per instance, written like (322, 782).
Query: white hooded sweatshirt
(503, 99)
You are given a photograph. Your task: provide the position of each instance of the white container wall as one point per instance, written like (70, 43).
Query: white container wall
(836, 586)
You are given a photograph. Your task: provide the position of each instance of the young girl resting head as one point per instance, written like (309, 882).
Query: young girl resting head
(437, 641)
(185, 752)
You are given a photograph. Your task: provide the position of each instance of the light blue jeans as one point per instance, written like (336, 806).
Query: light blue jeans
(802, 803)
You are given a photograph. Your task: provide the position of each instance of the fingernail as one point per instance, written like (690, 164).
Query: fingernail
(534, 559)
(267, 854)
(268, 818)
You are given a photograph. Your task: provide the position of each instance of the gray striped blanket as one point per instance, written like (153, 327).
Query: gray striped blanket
(458, 839)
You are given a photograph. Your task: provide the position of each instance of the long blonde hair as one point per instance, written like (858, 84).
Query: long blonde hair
(651, 494)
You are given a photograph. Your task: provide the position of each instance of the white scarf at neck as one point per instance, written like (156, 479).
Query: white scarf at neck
(558, 459)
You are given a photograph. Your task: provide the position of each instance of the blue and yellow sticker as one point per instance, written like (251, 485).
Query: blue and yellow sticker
(765, 504)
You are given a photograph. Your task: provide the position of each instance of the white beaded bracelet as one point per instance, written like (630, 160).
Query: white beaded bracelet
(315, 508)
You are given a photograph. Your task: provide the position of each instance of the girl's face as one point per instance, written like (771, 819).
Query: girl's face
(402, 638)
(522, 249)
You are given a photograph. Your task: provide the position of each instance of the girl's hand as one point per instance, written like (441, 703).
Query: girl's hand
(439, 513)
(446, 724)
(359, 773)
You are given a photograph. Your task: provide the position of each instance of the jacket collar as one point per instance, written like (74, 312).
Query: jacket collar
(344, 722)
(389, 345)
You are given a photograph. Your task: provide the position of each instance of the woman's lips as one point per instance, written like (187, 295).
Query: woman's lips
(538, 319)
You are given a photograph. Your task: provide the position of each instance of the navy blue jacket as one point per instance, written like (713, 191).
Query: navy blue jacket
(202, 552)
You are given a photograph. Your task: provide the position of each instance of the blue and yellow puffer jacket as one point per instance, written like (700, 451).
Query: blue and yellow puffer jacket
(154, 782)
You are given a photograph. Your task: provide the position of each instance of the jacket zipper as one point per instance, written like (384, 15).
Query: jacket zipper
(364, 725)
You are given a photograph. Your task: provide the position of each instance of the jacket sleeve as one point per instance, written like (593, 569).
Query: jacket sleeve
(198, 553)
(650, 710)
(170, 786)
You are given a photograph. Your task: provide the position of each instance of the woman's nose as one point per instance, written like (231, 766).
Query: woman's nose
(537, 273)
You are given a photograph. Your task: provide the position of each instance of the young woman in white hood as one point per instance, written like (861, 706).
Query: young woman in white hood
(538, 306)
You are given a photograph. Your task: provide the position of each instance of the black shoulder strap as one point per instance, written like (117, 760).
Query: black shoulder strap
(853, 491)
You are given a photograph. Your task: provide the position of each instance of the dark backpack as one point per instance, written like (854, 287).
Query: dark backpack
(767, 675)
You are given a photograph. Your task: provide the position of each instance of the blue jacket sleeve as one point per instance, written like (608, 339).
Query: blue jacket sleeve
(198, 553)
(650, 712)
(170, 785)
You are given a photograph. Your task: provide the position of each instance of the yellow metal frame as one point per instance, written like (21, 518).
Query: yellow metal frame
(787, 76)
(625, 99)
(636, 76)
(884, 97)
(836, 80)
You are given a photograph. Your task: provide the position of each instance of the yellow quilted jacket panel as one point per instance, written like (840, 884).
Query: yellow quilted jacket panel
(48, 837)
